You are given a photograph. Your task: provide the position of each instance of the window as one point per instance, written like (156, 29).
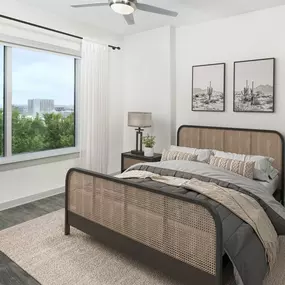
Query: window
(42, 101)
(39, 107)
(1, 100)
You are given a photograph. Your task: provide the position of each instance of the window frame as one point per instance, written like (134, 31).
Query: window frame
(9, 161)
(3, 104)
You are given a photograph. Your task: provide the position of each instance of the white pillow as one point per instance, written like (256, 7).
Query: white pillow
(262, 166)
(203, 154)
(273, 173)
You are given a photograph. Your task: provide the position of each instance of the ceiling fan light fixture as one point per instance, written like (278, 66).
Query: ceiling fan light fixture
(123, 7)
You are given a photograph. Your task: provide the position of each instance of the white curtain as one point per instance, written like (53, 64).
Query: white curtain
(93, 104)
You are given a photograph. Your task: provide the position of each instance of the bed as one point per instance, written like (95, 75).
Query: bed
(246, 141)
(273, 187)
(170, 230)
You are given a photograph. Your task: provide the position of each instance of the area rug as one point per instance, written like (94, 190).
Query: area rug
(40, 248)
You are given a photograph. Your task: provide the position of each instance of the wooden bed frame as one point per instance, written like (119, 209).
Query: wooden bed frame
(176, 235)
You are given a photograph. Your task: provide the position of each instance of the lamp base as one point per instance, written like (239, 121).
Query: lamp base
(137, 152)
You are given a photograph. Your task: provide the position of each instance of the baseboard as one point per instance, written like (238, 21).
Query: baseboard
(32, 198)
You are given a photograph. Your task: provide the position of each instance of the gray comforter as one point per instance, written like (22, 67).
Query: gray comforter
(241, 243)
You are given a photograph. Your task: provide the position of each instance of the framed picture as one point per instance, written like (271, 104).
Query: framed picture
(254, 85)
(208, 87)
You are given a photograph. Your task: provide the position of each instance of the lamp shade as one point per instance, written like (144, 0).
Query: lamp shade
(139, 119)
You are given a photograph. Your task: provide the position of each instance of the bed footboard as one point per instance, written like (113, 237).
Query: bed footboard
(180, 236)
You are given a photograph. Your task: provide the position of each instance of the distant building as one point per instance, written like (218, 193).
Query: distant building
(40, 106)
(65, 114)
(22, 109)
(59, 108)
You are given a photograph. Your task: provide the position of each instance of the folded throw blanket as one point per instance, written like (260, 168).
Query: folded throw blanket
(242, 205)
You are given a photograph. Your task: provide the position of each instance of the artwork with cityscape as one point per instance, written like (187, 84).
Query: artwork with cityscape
(254, 86)
(208, 87)
(42, 101)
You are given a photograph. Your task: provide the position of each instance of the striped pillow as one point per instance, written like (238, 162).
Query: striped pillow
(177, 155)
(186, 156)
(244, 168)
(168, 155)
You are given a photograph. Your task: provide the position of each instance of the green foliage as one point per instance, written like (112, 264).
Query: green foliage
(37, 134)
(60, 131)
(149, 141)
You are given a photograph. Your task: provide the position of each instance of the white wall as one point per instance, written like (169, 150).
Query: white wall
(116, 107)
(22, 11)
(32, 182)
(250, 36)
(148, 83)
(38, 180)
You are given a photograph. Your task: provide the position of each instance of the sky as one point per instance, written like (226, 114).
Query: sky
(40, 75)
(261, 72)
(204, 74)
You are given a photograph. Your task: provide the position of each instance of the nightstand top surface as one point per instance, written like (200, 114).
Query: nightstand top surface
(142, 157)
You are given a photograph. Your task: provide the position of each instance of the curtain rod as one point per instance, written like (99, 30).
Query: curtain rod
(49, 29)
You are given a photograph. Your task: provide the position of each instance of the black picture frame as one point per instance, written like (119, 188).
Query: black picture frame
(223, 86)
(271, 110)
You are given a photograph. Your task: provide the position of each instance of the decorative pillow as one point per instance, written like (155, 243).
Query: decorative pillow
(262, 166)
(203, 154)
(273, 173)
(177, 155)
(168, 155)
(244, 168)
(186, 156)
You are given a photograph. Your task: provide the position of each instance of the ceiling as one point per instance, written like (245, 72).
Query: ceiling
(190, 12)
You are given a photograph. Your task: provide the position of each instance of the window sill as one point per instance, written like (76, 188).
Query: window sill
(37, 158)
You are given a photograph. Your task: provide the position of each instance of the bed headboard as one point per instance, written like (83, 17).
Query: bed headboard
(243, 141)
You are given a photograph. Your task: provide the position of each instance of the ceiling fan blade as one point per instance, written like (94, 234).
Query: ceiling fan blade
(89, 4)
(130, 19)
(156, 10)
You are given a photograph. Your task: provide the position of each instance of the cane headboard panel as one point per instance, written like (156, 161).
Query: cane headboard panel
(243, 141)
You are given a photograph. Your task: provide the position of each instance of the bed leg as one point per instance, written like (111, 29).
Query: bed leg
(66, 225)
(67, 229)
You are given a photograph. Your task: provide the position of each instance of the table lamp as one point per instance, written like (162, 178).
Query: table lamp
(139, 120)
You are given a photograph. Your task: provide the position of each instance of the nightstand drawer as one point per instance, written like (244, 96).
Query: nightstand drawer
(128, 162)
(129, 159)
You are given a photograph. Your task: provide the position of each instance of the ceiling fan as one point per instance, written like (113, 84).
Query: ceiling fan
(127, 8)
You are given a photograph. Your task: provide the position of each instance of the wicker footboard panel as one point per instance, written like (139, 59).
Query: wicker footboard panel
(180, 229)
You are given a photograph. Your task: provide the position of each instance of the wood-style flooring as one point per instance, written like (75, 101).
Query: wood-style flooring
(24, 213)
(10, 272)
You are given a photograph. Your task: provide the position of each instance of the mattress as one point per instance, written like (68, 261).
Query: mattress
(272, 185)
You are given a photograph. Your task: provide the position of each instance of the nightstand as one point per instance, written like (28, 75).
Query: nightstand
(128, 159)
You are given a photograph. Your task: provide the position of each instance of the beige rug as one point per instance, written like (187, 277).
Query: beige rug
(40, 247)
